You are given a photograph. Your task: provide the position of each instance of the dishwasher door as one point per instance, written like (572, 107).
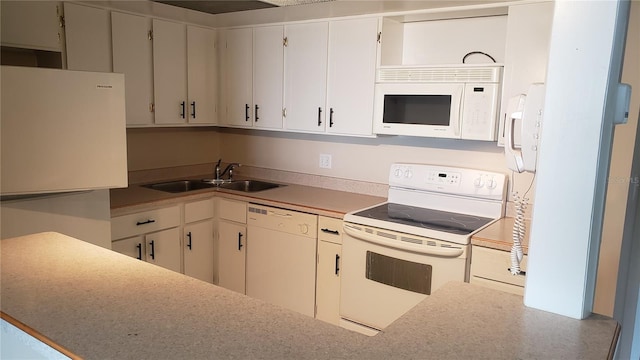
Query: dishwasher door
(281, 257)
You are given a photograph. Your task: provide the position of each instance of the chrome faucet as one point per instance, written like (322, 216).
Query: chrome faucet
(229, 169)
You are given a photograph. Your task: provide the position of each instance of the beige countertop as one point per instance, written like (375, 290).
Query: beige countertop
(103, 305)
(499, 235)
(316, 200)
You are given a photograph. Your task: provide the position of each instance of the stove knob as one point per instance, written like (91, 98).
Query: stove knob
(408, 174)
(478, 182)
(397, 173)
(492, 183)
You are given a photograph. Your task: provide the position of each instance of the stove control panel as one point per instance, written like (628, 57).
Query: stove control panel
(448, 180)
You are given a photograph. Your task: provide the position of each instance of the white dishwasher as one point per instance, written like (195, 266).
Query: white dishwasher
(281, 257)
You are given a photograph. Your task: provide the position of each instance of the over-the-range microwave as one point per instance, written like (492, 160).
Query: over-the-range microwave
(458, 101)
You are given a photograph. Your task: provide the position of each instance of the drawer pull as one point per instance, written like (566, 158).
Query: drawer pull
(145, 222)
(189, 243)
(523, 273)
(329, 231)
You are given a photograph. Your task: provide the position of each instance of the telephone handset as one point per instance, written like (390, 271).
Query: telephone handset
(528, 109)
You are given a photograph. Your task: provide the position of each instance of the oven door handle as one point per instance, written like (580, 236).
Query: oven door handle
(402, 245)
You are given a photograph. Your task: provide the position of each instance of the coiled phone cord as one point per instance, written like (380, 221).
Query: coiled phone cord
(519, 227)
(517, 233)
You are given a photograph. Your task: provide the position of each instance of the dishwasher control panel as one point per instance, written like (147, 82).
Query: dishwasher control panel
(288, 221)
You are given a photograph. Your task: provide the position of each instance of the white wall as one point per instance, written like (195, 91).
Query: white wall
(360, 159)
(82, 215)
(574, 155)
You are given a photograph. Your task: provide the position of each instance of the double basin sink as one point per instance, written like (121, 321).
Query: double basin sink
(180, 186)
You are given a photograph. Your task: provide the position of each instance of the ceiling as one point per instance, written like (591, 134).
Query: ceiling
(226, 6)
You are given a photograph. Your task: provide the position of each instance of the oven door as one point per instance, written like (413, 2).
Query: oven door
(386, 273)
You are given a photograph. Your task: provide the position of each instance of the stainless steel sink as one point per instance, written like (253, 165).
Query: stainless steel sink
(249, 185)
(181, 186)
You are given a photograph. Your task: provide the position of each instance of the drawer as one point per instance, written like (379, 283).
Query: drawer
(494, 265)
(144, 222)
(330, 229)
(232, 210)
(198, 210)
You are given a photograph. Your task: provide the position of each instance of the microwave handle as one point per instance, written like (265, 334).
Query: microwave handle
(456, 119)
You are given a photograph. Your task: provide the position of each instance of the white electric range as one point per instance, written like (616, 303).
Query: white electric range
(396, 253)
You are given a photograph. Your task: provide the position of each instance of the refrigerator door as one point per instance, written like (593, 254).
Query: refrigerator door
(61, 131)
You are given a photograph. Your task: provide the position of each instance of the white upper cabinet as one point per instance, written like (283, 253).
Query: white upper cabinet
(132, 56)
(88, 38)
(306, 76)
(202, 75)
(268, 68)
(239, 77)
(170, 72)
(32, 24)
(351, 76)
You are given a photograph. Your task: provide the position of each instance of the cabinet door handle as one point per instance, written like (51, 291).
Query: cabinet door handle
(240, 241)
(189, 242)
(152, 254)
(329, 231)
(148, 221)
(330, 117)
(182, 109)
(337, 264)
(139, 247)
(256, 114)
(246, 112)
(319, 116)
(193, 109)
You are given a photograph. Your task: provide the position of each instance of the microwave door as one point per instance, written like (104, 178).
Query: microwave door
(418, 110)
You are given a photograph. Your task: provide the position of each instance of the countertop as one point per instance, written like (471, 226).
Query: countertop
(316, 200)
(100, 304)
(499, 235)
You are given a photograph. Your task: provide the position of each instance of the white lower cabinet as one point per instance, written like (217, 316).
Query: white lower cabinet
(198, 240)
(328, 271)
(490, 268)
(160, 248)
(232, 244)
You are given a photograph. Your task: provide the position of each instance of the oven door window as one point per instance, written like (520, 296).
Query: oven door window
(402, 274)
(432, 110)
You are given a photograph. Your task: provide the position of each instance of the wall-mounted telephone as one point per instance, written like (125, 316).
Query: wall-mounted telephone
(528, 109)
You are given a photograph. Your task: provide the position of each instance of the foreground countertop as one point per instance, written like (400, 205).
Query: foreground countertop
(100, 304)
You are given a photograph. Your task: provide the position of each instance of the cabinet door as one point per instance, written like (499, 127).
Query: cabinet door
(232, 248)
(328, 282)
(202, 75)
(198, 250)
(170, 72)
(163, 248)
(268, 61)
(88, 38)
(133, 246)
(306, 76)
(238, 63)
(31, 24)
(351, 76)
(132, 57)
